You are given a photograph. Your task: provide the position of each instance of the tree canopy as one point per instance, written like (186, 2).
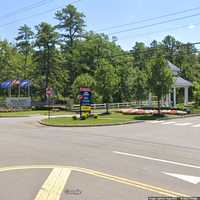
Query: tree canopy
(66, 56)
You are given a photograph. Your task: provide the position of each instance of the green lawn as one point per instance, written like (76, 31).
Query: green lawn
(192, 107)
(31, 113)
(195, 110)
(153, 117)
(114, 118)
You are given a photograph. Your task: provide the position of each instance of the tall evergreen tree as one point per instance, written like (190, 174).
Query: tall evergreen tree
(71, 24)
(46, 41)
(24, 45)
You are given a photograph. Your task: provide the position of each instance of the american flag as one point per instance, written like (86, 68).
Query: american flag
(16, 82)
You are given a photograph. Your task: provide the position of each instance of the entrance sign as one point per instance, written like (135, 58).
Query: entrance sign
(85, 100)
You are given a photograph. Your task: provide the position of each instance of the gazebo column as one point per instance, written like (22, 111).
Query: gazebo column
(174, 96)
(169, 99)
(186, 95)
(150, 100)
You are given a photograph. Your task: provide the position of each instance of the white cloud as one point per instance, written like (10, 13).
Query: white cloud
(192, 26)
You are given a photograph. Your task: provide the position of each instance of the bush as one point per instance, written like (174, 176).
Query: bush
(74, 117)
(197, 93)
(95, 116)
(85, 116)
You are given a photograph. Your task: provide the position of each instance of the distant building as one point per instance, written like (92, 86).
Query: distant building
(179, 83)
(171, 98)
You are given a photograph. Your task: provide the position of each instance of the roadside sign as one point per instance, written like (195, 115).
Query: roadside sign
(49, 92)
(86, 108)
(85, 100)
(85, 96)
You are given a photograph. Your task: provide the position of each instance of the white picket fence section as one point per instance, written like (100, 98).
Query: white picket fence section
(118, 105)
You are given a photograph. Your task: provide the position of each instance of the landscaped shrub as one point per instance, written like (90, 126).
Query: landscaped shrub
(95, 116)
(74, 117)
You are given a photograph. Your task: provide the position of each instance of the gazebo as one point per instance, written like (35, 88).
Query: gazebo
(179, 83)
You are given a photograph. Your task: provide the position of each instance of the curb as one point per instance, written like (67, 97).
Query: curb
(117, 124)
(191, 115)
(14, 116)
(183, 116)
(90, 125)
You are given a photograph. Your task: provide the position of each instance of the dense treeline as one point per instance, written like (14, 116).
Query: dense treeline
(67, 57)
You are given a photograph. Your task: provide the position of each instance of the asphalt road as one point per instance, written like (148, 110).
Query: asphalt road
(103, 163)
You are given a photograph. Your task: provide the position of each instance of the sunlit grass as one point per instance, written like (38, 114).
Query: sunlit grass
(114, 118)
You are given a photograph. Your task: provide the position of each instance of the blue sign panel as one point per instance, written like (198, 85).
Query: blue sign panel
(85, 97)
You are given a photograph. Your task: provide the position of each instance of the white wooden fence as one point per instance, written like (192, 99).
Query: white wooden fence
(118, 105)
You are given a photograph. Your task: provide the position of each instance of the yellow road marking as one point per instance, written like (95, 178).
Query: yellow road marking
(54, 185)
(125, 181)
(136, 184)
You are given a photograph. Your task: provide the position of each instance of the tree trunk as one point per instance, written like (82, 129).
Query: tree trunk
(47, 71)
(107, 108)
(25, 64)
(159, 106)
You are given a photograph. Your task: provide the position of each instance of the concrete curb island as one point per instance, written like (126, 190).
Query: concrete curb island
(182, 116)
(91, 125)
(116, 124)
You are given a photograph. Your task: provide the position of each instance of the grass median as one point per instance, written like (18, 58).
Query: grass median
(112, 119)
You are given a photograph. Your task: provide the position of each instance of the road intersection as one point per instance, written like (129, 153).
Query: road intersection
(121, 162)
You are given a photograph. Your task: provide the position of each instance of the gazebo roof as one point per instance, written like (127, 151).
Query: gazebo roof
(180, 82)
(173, 67)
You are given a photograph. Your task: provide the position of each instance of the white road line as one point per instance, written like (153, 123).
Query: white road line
(183, 124)
(156, 122)
(54, 185)
(190, 179)
(196, 126)
(157, 160)
(168, 123)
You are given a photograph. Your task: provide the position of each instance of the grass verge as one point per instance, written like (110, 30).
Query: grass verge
(32, 113)
(113, 119)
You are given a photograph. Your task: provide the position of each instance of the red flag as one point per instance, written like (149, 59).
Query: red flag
(16, 82)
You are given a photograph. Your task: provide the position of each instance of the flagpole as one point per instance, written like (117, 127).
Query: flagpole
(10, 91)
(19, 91)
(28, 90)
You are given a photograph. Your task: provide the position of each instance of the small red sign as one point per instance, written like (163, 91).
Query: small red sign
(49, 92)
(81, 97)
(85, 90)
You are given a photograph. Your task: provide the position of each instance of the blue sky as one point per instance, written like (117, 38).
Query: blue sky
(101, 14)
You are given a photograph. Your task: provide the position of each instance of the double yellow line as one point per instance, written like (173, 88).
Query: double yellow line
(55, 183)
(133, 183)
